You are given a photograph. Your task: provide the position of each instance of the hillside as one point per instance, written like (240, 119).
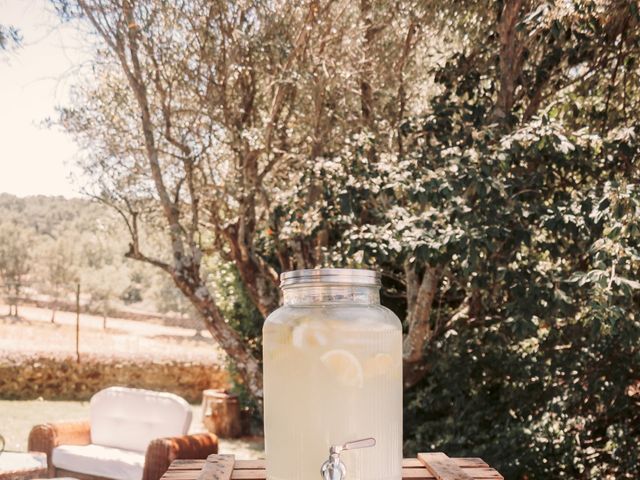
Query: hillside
(49, 244)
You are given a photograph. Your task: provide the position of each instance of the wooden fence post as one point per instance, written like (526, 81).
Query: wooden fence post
(78, 323)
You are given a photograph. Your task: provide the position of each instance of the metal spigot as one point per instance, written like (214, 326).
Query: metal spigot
(333, 468)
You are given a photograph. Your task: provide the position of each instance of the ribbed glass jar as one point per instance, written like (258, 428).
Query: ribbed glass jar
(332, 374)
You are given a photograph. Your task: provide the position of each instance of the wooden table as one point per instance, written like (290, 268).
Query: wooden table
(427, 466)
(22, 465)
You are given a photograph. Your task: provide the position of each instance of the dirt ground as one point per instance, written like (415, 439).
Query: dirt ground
(33, 333)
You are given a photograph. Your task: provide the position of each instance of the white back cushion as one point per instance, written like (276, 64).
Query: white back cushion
(130, 418)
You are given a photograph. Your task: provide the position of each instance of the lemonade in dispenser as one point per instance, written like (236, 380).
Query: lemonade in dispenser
(332, 379)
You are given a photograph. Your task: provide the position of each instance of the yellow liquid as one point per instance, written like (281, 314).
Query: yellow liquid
(328, 382)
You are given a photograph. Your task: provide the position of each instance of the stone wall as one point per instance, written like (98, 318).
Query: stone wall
(63, 378)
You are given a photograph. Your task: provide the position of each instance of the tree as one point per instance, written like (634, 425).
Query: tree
(171, 300)
(214, 114)
(60, 269)
(15, 262)
(105, 284)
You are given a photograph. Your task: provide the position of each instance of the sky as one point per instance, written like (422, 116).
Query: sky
(34, 79)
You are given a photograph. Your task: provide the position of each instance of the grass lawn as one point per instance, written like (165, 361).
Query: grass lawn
(18, 416)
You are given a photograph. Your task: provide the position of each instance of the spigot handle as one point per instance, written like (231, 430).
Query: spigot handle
(362, 443)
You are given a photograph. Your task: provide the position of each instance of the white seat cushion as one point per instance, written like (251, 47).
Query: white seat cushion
(130, 418)
(98, 460)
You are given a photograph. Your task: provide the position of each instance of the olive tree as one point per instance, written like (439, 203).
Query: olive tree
(15, 262)
(60, 271)
(199, 114)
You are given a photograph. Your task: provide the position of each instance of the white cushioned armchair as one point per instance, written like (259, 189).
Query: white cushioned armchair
(132, 435)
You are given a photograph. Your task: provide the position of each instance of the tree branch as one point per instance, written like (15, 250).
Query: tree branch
(511, 56)
(281, 86)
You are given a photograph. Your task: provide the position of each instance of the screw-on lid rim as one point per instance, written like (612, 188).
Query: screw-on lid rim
(339, 276)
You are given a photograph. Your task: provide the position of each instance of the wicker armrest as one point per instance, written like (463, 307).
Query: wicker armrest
(162, 451)
(45, 437)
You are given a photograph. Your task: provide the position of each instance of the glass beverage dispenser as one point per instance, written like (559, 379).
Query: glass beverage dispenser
(332, 379)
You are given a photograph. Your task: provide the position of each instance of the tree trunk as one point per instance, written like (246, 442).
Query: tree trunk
(78, 323)
(366, 91)
(420, 294)
(260, 280)
(261, 290)
(53, 314)
(511, 56)
(247, 365)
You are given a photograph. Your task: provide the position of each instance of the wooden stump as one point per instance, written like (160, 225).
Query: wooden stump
(221, 413)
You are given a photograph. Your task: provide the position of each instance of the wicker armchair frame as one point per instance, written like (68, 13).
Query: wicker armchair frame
(159, 455)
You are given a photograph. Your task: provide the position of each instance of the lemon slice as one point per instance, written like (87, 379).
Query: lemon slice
(379, 364)
(309, 334)
(345, 367)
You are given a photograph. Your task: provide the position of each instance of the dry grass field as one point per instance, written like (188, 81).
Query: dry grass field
(33, 333)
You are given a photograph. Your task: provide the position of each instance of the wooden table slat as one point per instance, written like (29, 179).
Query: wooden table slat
(465, 462)
(478, 473)
(461, 462)
(259, 474)
(416, 474)
(181, 474)
(250, 464)
(217, 467)
(187, 465)
(442, 467)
